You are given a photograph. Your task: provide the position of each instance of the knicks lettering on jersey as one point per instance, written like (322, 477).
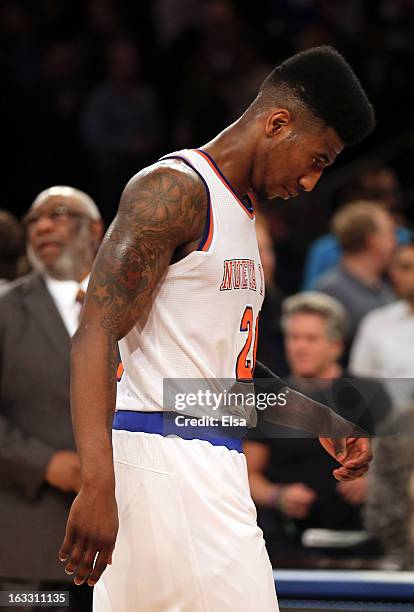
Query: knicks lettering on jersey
(241, 274)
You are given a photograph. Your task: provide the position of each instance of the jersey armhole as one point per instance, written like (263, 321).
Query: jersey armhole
(207, 237)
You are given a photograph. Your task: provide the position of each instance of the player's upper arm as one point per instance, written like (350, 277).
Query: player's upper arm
(161, 208)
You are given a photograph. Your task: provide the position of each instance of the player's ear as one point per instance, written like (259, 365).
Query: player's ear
(277, 121)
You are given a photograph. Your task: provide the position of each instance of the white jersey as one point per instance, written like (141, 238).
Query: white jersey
(203, 320)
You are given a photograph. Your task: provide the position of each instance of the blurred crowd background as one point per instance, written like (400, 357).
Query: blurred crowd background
(92, 91)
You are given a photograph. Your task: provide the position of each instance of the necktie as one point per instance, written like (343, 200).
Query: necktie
(80, 298)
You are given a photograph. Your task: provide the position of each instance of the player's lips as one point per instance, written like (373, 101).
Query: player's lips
(284, 193)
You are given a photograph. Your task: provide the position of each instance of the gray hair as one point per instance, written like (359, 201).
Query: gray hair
(314, 302)
(70, 192)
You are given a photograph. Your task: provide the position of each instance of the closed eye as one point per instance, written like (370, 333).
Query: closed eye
(318, 164)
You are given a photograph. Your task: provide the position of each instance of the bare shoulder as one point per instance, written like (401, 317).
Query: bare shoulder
(162, 208)
(167, 194)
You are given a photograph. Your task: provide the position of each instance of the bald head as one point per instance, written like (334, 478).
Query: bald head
(69, 195)
(64, 229)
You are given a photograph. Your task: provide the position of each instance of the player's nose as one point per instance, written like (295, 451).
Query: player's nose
(308, 181)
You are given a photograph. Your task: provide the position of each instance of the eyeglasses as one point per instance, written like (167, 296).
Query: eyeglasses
(60, 214)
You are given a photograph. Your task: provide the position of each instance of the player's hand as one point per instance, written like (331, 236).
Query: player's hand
(354, 455)
(353, 491)
(63, 471)
(90, 535)
(295, 500)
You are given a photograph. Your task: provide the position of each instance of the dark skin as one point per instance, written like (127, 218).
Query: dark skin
(161, 219)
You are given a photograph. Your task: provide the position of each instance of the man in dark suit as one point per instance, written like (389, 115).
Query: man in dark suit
(39, 467)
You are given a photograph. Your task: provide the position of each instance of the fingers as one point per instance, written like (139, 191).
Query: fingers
(85, 566)
(67, 544)
(345, 474)
(103, 559)
(87, 563)
(336, 447)
(340, 449)
(75, 557)
(359, 454)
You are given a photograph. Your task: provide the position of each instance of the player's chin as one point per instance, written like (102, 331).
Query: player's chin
(281, 192)
(269, 193)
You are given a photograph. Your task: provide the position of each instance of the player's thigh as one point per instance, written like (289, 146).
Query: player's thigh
(154, 565)
(221, 518)
(188, 538)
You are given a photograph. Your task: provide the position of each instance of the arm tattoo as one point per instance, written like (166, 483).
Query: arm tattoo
(161, 208)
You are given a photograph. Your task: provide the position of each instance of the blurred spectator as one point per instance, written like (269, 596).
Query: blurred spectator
(221, 76)
(57, 102)
(11, 248)
(18, 40)
(384, 344)
(379, 184)
(104, 19)
(365, 231)
(121, 125)
(173, 18)
(270, 348)
(39, 467)
(203, 60)
(105, 22)
(389, 510)
(290, 474)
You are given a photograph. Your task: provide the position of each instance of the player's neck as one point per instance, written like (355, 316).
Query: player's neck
(233, 155)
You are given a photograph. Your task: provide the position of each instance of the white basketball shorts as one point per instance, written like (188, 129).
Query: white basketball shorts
(188, 540)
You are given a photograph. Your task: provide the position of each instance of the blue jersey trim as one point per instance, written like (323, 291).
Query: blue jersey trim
(165, 424)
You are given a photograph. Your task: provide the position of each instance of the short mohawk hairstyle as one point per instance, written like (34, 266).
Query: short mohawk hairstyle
(323, 80)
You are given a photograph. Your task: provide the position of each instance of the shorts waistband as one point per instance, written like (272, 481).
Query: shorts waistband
(167, 424)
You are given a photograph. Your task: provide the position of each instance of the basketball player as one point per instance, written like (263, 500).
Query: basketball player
(178, 283)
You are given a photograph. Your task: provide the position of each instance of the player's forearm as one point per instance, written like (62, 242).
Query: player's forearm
(93, 393)
(293, 409)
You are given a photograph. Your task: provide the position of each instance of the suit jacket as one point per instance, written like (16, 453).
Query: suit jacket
(34, 423)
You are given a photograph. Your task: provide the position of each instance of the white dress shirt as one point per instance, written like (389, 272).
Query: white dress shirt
(64, 295)
(384, 348)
